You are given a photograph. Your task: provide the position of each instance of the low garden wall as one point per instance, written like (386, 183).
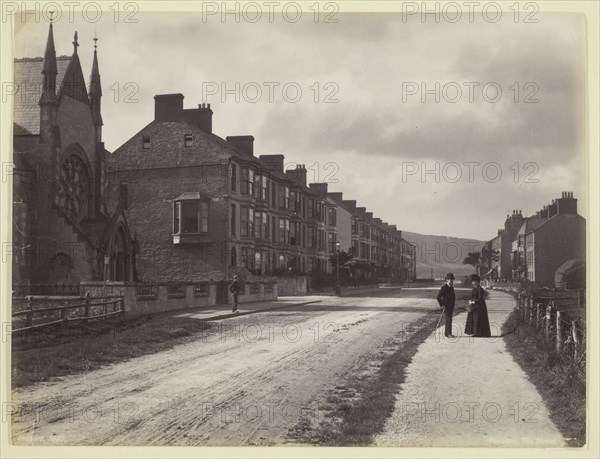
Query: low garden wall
(291, 285)
(151, 298)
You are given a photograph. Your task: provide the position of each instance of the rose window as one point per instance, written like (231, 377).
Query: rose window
(74, 188)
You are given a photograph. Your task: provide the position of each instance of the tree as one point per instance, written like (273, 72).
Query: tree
(488, 256)
(482, 261)
(473, 259)
(344, 258)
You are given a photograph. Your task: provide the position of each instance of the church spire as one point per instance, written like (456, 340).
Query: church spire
(96, 88)
(49, 71)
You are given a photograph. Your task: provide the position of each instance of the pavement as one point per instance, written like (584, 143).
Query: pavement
(223, 311)
(468, 391)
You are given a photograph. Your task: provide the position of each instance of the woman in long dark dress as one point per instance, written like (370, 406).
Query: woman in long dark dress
(478, 322)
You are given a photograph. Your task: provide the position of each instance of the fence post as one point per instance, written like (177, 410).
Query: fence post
(559, 332)
(63, 312)
(538, 307)
(29, 310)
(548, 320)
(575, 340)
(87, 304)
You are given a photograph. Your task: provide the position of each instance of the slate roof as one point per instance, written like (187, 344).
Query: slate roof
(29, 84)
(167, 148)
(530, 224)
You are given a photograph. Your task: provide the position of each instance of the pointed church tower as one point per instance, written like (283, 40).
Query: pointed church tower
(48, 103)
(96, 94)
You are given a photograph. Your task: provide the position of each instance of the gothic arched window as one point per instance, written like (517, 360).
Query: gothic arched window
(119, 255)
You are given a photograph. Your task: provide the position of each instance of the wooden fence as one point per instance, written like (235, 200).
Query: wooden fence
(22, 290)
(32, 313)
(560, 316)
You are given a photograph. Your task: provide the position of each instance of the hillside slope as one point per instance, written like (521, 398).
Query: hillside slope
(443, 254)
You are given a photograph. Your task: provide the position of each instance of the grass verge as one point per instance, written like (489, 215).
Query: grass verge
(61, 351)
(558, 380)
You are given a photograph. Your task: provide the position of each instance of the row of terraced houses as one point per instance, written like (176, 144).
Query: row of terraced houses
(204, 208)
(174, 205)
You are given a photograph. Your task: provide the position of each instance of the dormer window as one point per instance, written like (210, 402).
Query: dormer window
(188, 140)
(146, 142)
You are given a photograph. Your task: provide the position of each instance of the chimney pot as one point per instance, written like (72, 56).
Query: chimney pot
(200, 117)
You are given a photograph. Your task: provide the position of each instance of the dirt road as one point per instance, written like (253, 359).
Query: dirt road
(246, 382)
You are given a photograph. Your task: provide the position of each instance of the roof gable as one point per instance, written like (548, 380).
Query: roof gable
(167, 148)
(73, 82)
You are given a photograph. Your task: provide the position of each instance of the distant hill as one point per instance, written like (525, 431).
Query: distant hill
(442, 253)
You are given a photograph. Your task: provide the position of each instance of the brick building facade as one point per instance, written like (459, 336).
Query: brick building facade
(204, 208)
(63, 229)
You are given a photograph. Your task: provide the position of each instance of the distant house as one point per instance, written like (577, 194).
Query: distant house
(558, 239)
(552, 239)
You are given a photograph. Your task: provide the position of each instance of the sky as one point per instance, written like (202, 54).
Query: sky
(440, 128)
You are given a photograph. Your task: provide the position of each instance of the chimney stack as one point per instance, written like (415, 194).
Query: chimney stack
(336, 196)
(567, 204)
(273, 162)
(298, 174)
(200, 117)
(168, 107)
(350, 204)
(319, 188)
(244, 143)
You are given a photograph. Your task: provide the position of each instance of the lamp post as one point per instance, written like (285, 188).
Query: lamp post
(338, 289)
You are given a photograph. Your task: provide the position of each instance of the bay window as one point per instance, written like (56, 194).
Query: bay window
(284, 230)
(284, 197)
(247, 185)
(264, 188)
(190, 216)
(247, 222)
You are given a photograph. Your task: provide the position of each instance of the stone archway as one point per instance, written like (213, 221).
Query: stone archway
(120, 257)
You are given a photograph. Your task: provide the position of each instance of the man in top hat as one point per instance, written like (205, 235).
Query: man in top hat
(235, 288)
(446, 299)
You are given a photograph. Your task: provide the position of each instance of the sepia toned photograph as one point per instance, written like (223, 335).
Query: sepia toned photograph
(299, 224)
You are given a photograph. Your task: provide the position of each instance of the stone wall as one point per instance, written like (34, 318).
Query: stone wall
(148, 298)
(291, 285)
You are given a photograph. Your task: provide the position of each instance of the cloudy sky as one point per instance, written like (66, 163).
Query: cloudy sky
(363, 121)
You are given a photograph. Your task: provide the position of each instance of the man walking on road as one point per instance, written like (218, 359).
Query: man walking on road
(235, 288)
(446, 299)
